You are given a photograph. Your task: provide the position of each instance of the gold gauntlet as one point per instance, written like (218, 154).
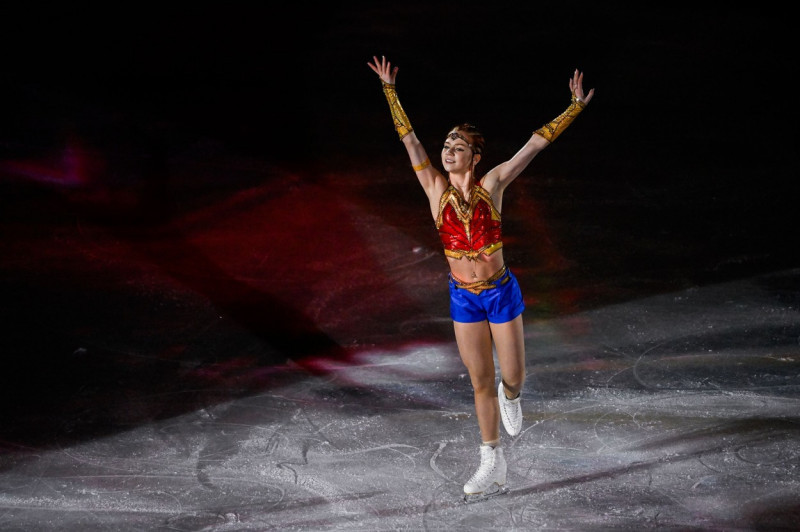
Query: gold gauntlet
(557, 126)
(401, 123)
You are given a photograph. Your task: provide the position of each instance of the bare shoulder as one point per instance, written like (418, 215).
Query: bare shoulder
(437, 187)
(491, 181)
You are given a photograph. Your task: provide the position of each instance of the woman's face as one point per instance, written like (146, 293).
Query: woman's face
(456, 154)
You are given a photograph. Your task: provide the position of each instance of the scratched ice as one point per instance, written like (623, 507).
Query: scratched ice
(689, 420)
(224, 301)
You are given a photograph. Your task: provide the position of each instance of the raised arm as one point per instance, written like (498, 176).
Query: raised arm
(503, 174)
(432, 181)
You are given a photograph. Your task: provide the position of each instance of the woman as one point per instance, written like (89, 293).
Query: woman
(486, 302)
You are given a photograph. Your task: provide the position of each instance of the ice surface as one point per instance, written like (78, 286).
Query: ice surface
(224, 303)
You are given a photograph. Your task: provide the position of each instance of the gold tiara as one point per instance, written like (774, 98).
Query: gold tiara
(456, 135)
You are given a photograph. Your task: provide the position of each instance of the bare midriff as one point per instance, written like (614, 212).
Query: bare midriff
(479, 269)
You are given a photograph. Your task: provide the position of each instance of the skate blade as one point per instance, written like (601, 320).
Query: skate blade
(488, 494)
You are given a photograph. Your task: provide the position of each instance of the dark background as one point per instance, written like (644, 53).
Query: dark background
(682, 172)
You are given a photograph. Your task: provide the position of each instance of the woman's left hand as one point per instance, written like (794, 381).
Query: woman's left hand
(576, 87)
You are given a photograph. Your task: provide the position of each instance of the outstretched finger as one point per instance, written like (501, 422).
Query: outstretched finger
(588, 96)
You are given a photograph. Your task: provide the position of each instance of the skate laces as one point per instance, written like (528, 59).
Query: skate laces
(510, 411)
(487, 467)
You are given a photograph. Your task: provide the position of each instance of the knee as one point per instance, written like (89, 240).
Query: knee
(483, 386)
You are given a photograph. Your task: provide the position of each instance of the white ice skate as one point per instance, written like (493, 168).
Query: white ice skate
(490, 478)
(510, 411)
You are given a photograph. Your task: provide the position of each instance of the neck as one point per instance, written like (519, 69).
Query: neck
(461, 180)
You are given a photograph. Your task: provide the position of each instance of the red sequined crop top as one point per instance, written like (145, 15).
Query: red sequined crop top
(468, 228)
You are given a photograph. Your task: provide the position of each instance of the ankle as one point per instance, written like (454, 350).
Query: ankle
(509, 398)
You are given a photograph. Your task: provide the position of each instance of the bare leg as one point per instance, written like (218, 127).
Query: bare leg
(475, 346)
(509, 341)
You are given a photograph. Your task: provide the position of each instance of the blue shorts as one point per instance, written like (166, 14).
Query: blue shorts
(497, 305)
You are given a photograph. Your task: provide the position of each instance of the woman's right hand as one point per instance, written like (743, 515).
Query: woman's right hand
(383, 69)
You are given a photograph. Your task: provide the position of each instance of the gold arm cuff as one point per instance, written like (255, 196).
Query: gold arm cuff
(553, 129)
(421, 166)
(401, 122)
